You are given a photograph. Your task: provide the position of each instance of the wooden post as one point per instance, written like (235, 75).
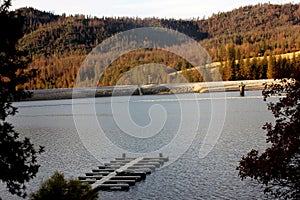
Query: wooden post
(242, 89)
(149, 79)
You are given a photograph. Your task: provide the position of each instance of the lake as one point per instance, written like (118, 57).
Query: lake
(205, 135)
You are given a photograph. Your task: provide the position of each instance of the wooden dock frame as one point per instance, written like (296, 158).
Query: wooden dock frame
(123, 172)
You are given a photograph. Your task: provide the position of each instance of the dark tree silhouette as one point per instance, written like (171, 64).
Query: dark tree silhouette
(278, 168)
(57, 187)
(18, 158)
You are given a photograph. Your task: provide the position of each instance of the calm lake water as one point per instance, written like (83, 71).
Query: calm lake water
(155, 124)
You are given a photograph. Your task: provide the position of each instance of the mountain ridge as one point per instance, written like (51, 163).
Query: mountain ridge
(249, 31)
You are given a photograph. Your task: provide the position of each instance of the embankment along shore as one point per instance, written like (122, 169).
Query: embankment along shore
(153, 89)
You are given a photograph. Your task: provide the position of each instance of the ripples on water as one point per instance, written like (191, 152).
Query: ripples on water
(51, 124)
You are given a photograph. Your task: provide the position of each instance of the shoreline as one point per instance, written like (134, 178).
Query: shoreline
(154, 89)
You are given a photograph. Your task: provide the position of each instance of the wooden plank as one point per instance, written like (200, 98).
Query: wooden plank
(120, 161)
(164, 159)
(115, 167)
(90, 177)
(113, 174)
(141, 174)
(129, 182)
(95, 174)
(137, 178)
(100, 171)
(122, 172)
(104, 167)
(88, 181)
(126, 158)
(156, 164)
(113, 186)
(113, 164)
(107, 170)
(121, 181)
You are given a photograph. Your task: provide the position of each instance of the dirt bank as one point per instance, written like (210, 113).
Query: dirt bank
(68, 93)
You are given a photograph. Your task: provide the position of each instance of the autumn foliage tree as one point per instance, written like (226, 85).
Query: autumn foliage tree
(18, 157)
(278, 167)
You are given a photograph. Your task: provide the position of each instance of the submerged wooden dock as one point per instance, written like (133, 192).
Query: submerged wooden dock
(123, 172)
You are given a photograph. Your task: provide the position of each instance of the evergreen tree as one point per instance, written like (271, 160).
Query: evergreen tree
(58, 188)
(271, 67)
(18, 158)
(263, 67)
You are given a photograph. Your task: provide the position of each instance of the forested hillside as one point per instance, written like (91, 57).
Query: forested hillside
(58, 43)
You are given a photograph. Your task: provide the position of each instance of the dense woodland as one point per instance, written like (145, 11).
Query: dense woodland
(59, 44)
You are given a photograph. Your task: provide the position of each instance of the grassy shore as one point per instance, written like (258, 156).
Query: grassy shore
(69, 93)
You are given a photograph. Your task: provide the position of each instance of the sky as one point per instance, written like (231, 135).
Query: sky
(184, 9)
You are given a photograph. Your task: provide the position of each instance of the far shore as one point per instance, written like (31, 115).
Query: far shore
(153, 89)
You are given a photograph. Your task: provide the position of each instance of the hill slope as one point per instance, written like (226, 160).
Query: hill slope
(59, 44)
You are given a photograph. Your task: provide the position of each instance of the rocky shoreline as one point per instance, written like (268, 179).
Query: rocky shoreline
(107, 91)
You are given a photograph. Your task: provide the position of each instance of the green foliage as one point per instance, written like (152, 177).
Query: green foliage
(277, 168)
(58, 188)
(18, 158)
